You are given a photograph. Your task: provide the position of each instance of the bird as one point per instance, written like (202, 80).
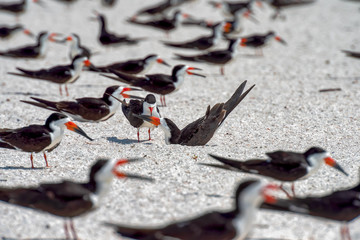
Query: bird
(76, 48)
(157, 83)
(8, 31)
(218, 57)
(146, 106)
(201, 43)
(258, 41)
(68, 199)
(284, 166)
(199, 132)
(107, 38)
(232, 8)
(39, 138)
(158, 9)
(17, 7)
(133, 66)
(351, 53)
(62, 74)
(215, 225)
(234, 26)
(164, 24)
(31, 51)
(280, 4)
(341, 206)
(87, 109)
(108, 3)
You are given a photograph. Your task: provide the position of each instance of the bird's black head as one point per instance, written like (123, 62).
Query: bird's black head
(271, 33)
(150, 56)
(243, 186)
(312, 151)
(54, 117)
(177, 68)
(96, 168)
(41, 35)
(150, 98)
(110, 91)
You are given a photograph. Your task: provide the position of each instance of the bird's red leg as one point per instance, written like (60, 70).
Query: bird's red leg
(67, 235)
(32, 160)
(60, 90)
(222, 70)
(283, 189)
(73, 229)
(293, 189)
(66, 89)
(138, 135)
(149, 134)
(345, 233)
(47, 165)
(164, 101)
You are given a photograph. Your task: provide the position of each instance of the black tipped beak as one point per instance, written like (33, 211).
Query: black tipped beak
(200, 75)
(339, 168)
(139, 177)
(81, 132)
(165, 63)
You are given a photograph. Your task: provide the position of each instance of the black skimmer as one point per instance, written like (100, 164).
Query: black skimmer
(62, 74)
(164, 24)
(218, 57)
(31, 51)
(87, 109)
(258, 41)
(7, 31)
(133, 66)
(76, 48)
(200, 131)
(351, 53)
(158, 9)
(234, 26)
(108, 3)
(157, 83)
(204, 42)
(39, 138)
(279, 4)
(214, 225)
(283, 165)
(146, 106)
(17, 7)
(232, 8)
(107, 38)
(69, 199)
(341, 206)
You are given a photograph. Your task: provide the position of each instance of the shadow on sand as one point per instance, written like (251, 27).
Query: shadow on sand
(126, 141)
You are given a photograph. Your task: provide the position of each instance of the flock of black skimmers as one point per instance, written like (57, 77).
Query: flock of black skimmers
(70, 199)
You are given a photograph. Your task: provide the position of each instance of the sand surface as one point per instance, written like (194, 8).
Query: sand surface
(284, 111)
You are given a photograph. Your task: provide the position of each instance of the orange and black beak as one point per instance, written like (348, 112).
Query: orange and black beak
(243, 42)
(161, 61)
(75, 128)
(87, 63)
(227, 27)
(248, 15)
(119, 174)
(150, 119)
(28, 32)
(279, 39)
(268, 198)
(124, 95)
(332, 163)
(196, 74)
(52, 39)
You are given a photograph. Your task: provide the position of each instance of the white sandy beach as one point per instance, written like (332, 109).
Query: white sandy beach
(284, 111)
